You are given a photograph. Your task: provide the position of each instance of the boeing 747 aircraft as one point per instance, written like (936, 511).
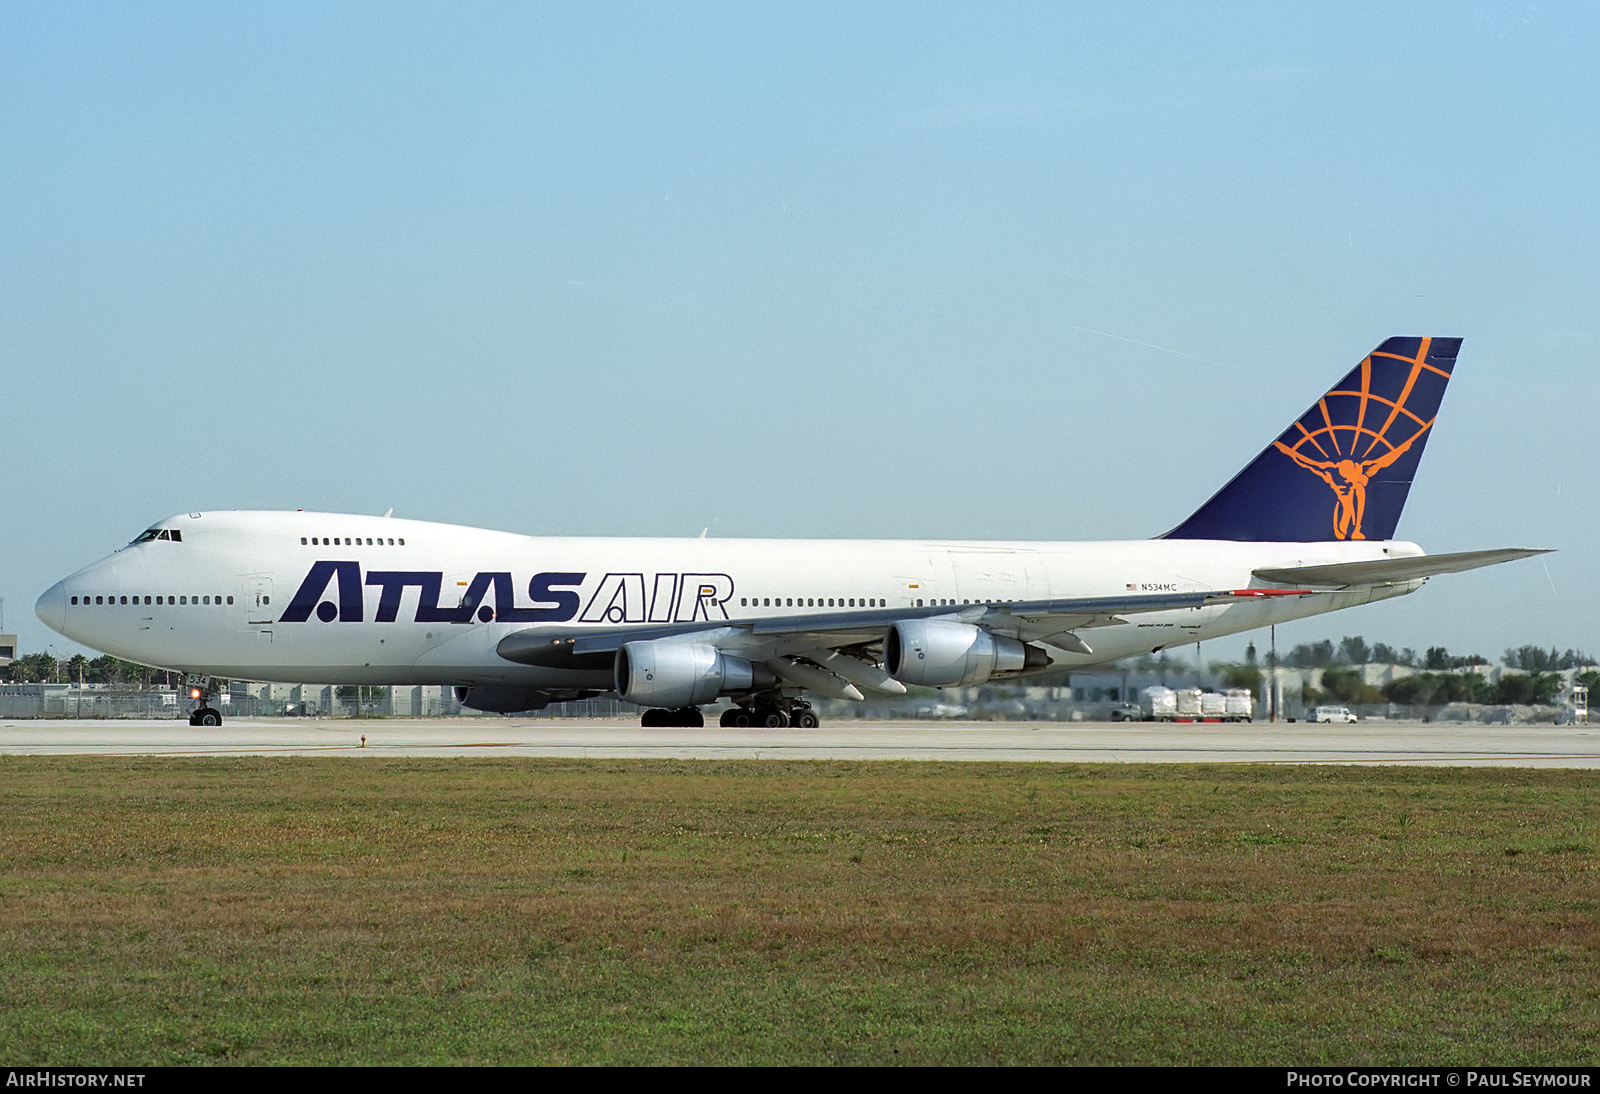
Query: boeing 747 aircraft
(516, 622)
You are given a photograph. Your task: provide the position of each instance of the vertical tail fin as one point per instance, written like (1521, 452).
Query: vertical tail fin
(1344, 469)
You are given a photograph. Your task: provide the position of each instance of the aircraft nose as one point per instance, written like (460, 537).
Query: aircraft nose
(51, 608)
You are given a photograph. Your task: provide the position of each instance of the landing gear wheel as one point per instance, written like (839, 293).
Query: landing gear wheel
(771, 717)
(804, 719)
(205, 716)
(737, 718)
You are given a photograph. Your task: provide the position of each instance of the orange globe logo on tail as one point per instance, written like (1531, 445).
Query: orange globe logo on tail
(1347, 452)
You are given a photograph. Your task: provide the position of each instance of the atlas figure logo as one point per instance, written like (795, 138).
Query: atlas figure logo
(1353, 433)
(491, 596)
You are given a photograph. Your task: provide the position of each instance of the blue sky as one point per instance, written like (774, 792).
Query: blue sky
(884, 270)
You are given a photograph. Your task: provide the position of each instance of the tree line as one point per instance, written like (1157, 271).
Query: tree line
(1354, 650)
(1429, 689)
(45, 668)
(1439, 679)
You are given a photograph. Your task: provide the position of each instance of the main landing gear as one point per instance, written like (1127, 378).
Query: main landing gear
(765, 714)
(203, 689)
(770, 715)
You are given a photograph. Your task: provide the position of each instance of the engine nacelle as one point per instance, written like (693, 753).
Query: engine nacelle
(679, 674)
(939, 653)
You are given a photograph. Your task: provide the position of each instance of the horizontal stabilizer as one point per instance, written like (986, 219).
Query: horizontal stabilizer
(1390, 570)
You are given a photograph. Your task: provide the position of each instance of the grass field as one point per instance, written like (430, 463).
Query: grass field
(634, 912)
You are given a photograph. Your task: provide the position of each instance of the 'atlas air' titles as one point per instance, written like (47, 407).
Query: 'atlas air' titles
(553, 597)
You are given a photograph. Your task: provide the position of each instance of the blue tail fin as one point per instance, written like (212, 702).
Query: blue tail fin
(1344, 469)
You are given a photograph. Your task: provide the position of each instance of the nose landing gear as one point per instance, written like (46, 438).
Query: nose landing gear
(202, 690)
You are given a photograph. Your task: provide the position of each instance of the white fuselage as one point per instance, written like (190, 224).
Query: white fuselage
(241, 595)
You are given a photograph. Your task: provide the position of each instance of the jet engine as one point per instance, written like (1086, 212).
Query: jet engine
(681, 674)
(939, 653)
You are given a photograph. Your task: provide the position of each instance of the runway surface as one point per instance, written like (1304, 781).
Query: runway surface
(1053, 742)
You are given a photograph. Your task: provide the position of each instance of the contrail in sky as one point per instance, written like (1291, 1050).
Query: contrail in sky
(1136, 342)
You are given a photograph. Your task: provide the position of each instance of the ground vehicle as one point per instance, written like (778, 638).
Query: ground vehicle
(1158, 704)
(1240, 705)
(1161, 704)
(1333, 714)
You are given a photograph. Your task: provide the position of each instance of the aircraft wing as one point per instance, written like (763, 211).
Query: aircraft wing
(1393, 570)
(1028, 620)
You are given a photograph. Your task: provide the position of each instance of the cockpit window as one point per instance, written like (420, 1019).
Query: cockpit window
(158, 533)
